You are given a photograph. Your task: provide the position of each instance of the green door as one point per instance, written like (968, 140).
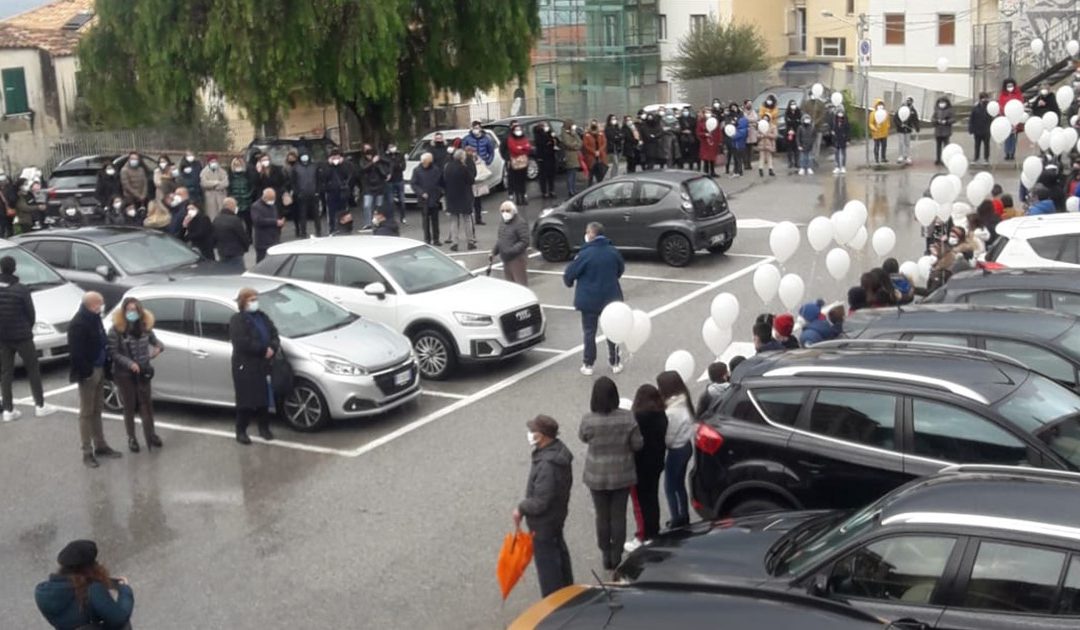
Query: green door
(15, 100)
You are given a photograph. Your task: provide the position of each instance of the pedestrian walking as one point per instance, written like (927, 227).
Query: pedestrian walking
(305, 188)
(215, 186)
(241, 191)
(266, 223)
(906, 130)
(337, 188)
(648, 410)
(255, 342)
(594, 273)
(134, 180)
(458, 179)
(544, 142)
(943, 121)
(570, 142)
(132, 347)
(230, 238)
(546, 503)
(979, 128)
(519, 148)
(612, 437)
(78, 595)
(427, 184)
(198, 230)
(89, 358)
(766, 146)
(594, 153)
(395, 187)
(512, 244)
(804, 144)
(841, 134)
(17, 319)
(879, 131)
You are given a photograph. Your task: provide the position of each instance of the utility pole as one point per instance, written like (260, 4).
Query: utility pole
(864, 66)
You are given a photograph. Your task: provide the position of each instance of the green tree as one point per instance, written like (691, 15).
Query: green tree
(717, 48)
(147, 61)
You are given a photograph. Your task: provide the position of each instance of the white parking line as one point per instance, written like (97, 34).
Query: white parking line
(51, 392)
(431, 392)
(629, 277)
(550, 350)
(499, 265)
(557, 307)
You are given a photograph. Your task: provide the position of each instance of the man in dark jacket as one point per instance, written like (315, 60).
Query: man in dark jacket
(544, 144)
(374, 173)
(1044, 101)
(979, 128)
(395, 187)
(107, 186)
(906, 129)
(427, 183)
(178, 203)
(9, 197)
(596, 271)
(17, 317)
(231, 238)
(266, 223)
(440, 153)
(190, 169)
(305, 187)
(458, 179)
(336, 186)
(547, 497)
(88, 346)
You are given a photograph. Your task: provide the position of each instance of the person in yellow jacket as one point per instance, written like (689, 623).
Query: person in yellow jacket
(878, 122)
(768, 106)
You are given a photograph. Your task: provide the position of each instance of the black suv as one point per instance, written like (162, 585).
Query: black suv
(74, 181)
(1054, 288)
(971, 548)
(841, 424)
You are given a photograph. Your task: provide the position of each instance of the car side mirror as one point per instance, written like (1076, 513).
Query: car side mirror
(376, 289)
(818, 586)
(106, 272)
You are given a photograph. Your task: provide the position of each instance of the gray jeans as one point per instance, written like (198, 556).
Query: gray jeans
(461, 226)
(905, 145)
(28, 354)
(610, 506)
(91, 404)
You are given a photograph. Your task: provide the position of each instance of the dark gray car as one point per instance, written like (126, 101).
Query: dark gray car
(1054, 288)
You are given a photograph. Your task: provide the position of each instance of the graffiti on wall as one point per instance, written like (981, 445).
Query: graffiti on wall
(1054, 21)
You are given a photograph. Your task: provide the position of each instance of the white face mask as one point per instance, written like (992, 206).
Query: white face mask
(588, 239)
(192, 212)
(71, 212)
(110, 171)
(1009, 88)
(133, 163)
(117, 205)
(253, 306)
(177, 200)
(507, 216)
(531, 437)
(163, 164)
(190, 158)
(265, 163)
(213, 166)
(518, 132)
(941, 105)
(131, 212)
(953, 241)
(1044, 92)
(304, 159)
(187, 170)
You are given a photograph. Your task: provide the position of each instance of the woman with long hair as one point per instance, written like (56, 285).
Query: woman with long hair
(255, 341)
(648, 410)
(680, 430)
(78, 594)
(133, 345)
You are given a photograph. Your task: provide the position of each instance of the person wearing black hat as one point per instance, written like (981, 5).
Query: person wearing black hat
(547, 497)
(77, 595)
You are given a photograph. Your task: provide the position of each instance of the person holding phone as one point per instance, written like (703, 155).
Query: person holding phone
(80, 593)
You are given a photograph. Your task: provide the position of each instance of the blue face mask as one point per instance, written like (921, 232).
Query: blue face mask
(132, 316)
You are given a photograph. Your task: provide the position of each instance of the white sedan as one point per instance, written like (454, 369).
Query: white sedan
(448, 313)
(491, 181)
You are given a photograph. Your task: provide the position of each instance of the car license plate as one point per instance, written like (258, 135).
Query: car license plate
(524, 333)
(402, 378)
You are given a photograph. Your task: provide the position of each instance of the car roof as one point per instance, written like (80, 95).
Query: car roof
(1010, 277)
(90, 234)
(451, 134)
(1039, 225)
(224, 288)
(1010, 321)
(668, 176)
(83, 162)
(347, 245)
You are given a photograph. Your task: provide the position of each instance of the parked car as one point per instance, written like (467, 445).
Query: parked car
(74, 181)
(450, 314)
(278, 148)
(501, 129)
(671, 212)
(1056, 289)
(1045, 240)
(622, 607)
(1045, 341)
(412, 160)
(113, 259)
(840, 424)
(970, 548)
(345, 366)
(55, 301)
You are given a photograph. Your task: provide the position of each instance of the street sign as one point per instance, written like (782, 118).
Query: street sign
(864, 52)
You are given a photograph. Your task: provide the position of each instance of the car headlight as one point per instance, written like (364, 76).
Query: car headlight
(546, 212)
(338, 366)
(473, 319)
(43, 328)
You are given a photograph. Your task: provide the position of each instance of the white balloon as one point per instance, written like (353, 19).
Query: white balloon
(616, 321)
(1033, 128)
(711, 124)
(766, 282)
(959, 214)
(911, 270)
(944, 211)
(986, 178)
(883, 241)
(976, 191)
(1072, 204)
(845, 225)
(1033, 167)
(925, 211)
(1064, 96)
(941, 190)
(993, 108)
(949, 151)
(763, 126)
(880, 115)
(784, 240)
(716, 339)
(1037, 46)
(729, 129)
(819, 233)
(858, 241)
(1072, 134)
(682, 362)
(837, 261)
(942, 64)
(1072, 121)
(1044, 141)
(791, 291)
(903, 113)
(1000, 129)
(1014, 111)
(817, 90)
(1027, 181)
(958, 165)
(1050, 120)
(1059, 141)
(858, 209)
(640, 332)
(1072, 47)
(956, 183)
(837, 99)
(724, 310)
(925, 264)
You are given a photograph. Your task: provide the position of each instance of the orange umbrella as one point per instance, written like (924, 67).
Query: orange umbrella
(516, 554)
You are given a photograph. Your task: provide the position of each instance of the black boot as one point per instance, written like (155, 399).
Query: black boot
(133, 445)
(264, 431)
(242, 436)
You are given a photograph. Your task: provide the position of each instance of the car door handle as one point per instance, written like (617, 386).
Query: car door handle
(812, 466)
(201, 354)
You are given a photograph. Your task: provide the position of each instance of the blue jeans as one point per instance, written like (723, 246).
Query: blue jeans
(1010, 145)
(675, 483)
(804, 159)
(395, 201)
(336, 203)
(589, 323)
(841, 157)
(371, 202)
(571, 182)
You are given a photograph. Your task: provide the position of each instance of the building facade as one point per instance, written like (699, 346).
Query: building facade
(909, 37)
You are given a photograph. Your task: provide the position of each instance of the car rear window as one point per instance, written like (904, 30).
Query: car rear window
(1060, 247)
(707, 198)
(995, 250)
(73, 180)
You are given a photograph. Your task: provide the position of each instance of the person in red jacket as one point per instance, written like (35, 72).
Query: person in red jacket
(518, 148)
(1010, 91)
(709, 141)
(594, 153)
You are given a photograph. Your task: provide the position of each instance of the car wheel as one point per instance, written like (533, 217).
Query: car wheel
(111, 397)
(754, 505)
(305, 409)
(553, 246)
(434, 354)
(676, 250)
(721, 249)
(533, 170)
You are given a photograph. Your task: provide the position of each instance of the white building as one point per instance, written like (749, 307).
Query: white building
(675, 20)
(909, 36)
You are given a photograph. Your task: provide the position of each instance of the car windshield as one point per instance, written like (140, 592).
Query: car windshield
(1048, 411)
(424, 146)
(423, 269)
(31, 271)
(1070, 339)
(149, 252)
(816, 548)
(317, 149)
(298, 312)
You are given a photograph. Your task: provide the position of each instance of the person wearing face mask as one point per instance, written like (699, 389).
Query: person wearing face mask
(89, 360)
(512, 244)
(652, 133)
(751, 133)
(266, 223)
(270, 175)
(115, 212)
(336, 185)
(374, 173)
(1009, 92)
(198, 230)
(689, 149)
(395, 186)
(305, 187)
(458, 179)
(177, 204)
(134, 180)
(427, 183)
(29, 211)
(164, 184)
(107, 185)
(546, 503)
(631, 144)
(132, 347)
(942, 120)
(480, 142)
(571, 148)
(879, 131)
(214, 181)
(594, 275)
(979, 128)
(255, 343)
(1044, 203)
(9, 196)
(740, 141)
(804, 144)
(770, 107)
(17, 319)
(190, 173)
(594, 153)
(1044, 101)
(613, 136)
(730, 117)
(905, 130)
(518, 148)
(440, 153)
(841, 133)
(792, 120)
(546, 156)
(709, 142)
(230, 238)
(766, 146)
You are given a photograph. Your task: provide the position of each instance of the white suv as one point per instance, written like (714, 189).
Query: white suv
(1046, 240)
(449, 313)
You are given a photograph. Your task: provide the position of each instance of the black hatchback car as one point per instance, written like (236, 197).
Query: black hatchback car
(1046, 341)
(971, 548)
(840, 424)
(1053, 288)
(74, 180)
(671, 212)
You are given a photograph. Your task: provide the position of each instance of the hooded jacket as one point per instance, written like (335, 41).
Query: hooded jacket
(792, 120)
(773, 111)
(804, 137)
(909, 125)
(979, 122)
(878, 131)
(127, 349)
(17, 315)
(742, 132)
(1045, 206)
(547, 494)
(56, 600)
(817, 328)
(841, 131)
(942, 118)
(571, 145)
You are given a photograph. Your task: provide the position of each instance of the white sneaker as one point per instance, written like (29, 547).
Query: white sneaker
(809, 171)
(899, 160)
(617, 368)
(836, 171)
(587, 370)
(44, 410)
(802, 171)
(843, 169)
(908, 160)
(12, 416)
(631, 545)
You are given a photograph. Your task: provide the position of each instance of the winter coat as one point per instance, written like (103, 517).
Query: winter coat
(547, 494)
(517, 147)
(1004, 97)
(17, 315)
(1041, 104)
(240, 190)
(631, 142)
(653, 134)
(305, 180)
(751, 126)
(397, 166)
(688, 138)
(157, 216)
(273, 177)
(841, 131)
(773, 111)
(593, 143)
(190, 173)
(200, 233)
(544, 142)
(767, 140)
(614, 138)
(458, 180)
(335, 180)
(817, 328)
(25, 207)
(878, 131)
(264, 218)
(792, 120)
(942, 119)
(483, 145)
(59, 605)
(596, 271)
(373, 176)
(249, 363)
(649, 461)
(126, 348)
(440, 155)
(107, 188)
(742, 130)
(979, 122)
(134, 182)
(230, 236)
(571, 145)
(709, 397)
(87, 343)
(612, 439)
(907, 126)
(429, 181)
(1046, 206)
(680, 425)
(709, 142)
(215, 186)
(513, 239)
(804, 137)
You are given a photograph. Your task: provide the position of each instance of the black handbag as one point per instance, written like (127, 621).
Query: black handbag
(281, 374)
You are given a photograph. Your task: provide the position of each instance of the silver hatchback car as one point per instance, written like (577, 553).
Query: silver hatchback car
(346, 366)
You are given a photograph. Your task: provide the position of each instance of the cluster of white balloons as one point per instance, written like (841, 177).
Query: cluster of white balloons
(622, 324)
(1041, 130)
(945, 190)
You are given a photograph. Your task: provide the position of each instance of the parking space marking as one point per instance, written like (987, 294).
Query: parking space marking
(499, 265)
(431, 392)
(52, 392)
(550, 350)
(630, 277)
(558, 307)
